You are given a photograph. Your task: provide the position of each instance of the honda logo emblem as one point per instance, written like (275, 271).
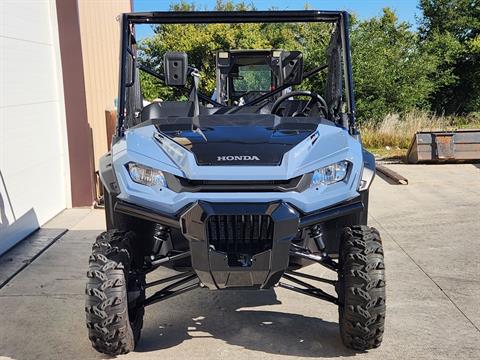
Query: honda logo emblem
(238, 158)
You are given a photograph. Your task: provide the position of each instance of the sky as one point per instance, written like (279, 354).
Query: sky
(406, 10)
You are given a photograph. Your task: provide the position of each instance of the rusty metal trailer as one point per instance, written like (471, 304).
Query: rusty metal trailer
(444, 146)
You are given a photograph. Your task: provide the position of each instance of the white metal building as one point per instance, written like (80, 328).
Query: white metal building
(34, 166)
(47, 124)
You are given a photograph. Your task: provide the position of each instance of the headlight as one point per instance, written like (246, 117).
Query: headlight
(330, 174)
(146, 175)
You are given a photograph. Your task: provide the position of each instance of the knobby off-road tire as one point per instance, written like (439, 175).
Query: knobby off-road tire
(361, 288)
(114, 294)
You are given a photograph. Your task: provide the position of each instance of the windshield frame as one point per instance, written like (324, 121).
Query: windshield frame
(128, 20)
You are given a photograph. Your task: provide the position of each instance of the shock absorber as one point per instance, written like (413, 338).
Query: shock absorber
(316, 235)
(160, 235)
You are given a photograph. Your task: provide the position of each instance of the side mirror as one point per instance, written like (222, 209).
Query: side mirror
(175, 67)
(291, 63)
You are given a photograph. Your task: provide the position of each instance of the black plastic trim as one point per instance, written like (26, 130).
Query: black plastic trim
(213, 267)
(173, 220)
(147, 214)
(107, 174)
(179, 184)
(330, 213)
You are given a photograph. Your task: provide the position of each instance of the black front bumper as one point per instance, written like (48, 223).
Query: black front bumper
(263, 269)
(240, 245)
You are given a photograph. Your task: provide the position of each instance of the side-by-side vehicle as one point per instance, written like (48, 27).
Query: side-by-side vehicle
(238, 189)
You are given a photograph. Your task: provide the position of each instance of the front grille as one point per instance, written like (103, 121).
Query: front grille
(184, 184)
(240, 236)
(240, 182)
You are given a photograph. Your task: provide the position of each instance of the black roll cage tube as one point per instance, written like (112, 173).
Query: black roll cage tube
(234, 17)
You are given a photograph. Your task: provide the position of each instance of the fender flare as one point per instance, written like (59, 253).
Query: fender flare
(107, 174)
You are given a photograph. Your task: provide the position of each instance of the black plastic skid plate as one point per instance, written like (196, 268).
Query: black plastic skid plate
(212, 266)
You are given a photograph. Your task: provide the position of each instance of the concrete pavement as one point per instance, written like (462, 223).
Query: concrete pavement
(431, 234)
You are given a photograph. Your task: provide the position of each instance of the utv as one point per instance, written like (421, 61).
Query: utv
(238, 190)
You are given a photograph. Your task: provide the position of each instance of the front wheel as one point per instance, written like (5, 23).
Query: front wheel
(361, 288)
(114, 294)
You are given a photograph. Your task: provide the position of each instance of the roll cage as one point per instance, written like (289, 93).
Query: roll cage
(128, 68)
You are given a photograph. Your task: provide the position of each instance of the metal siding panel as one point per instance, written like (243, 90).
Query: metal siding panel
(100, 46)
(32, 147)
(28, 20)
(29, 70)
(424, 138)
(467, 137)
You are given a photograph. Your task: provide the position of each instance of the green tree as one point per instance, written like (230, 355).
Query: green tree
(392, 73)
(451, 30)
(201, 41)
(394, 70)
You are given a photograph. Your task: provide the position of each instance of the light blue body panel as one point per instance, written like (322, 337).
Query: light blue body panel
(332, 144)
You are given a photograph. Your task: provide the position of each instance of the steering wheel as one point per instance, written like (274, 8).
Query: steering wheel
(314, 99)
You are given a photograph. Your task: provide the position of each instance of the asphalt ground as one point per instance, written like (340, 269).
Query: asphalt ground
(431, 236)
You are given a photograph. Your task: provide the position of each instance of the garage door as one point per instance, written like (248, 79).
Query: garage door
(33, 152)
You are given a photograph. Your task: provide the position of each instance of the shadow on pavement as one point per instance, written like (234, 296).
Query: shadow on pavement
(223, 315)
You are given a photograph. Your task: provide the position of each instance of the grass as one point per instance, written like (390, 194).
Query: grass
(389, 153)
(391, 137)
